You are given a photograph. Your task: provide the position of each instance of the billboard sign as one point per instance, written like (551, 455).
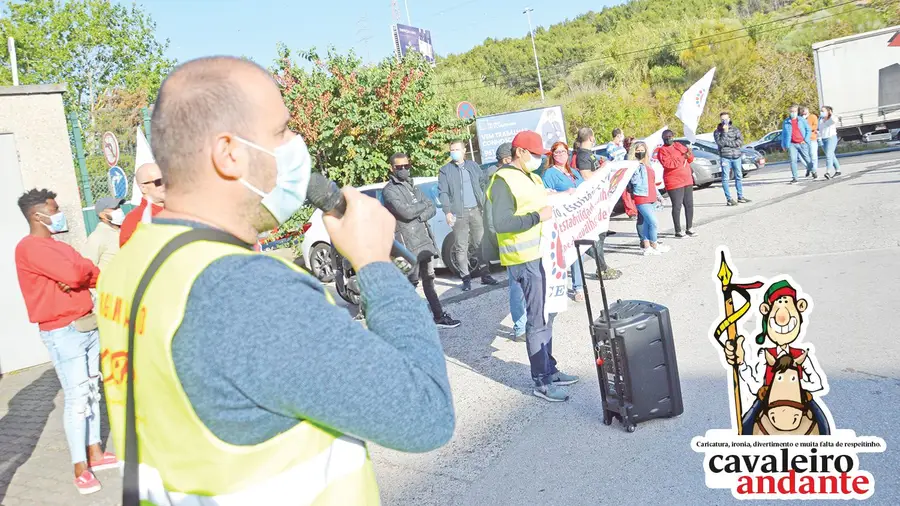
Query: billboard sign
(409, 38)
(500, 128)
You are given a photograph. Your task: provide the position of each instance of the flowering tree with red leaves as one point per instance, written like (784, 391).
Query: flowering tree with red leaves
(354, 117)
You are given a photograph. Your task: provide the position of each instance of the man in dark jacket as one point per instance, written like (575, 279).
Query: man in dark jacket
(462, 198)
(413, 209)
(730, 140)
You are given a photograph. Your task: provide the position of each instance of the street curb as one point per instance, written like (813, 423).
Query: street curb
(813, 186)
(845, 155)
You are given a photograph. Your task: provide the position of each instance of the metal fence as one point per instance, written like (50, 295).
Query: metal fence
(92, 168)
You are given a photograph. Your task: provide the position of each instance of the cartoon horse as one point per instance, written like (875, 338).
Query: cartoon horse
(784, 408)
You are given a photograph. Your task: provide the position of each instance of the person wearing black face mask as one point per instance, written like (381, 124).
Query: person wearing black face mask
(413, 209)
(729, 139)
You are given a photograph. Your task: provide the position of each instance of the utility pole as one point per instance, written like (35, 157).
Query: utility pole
(527, 12)
(14, 66)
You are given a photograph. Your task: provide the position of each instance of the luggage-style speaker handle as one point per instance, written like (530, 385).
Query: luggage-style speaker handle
(587, 297)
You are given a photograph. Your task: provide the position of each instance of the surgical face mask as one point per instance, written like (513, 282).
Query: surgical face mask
(457, 156)
(824, 113)
(57, 224)
(793, 115)
(117, 217)
(560, 158)
(534, 163)
(293, 165)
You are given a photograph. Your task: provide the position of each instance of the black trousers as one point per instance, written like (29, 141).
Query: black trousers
(469, 231)
(425, 271)
(683, 196)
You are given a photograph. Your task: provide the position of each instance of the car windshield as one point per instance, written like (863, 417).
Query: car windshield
(431, 190)
(375, 193)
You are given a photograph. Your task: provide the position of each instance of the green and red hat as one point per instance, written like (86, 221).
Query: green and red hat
(775, 291)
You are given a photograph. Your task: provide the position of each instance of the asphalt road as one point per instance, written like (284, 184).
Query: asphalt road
(839, 240)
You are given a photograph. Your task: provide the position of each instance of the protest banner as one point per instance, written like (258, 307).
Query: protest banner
(583, 214)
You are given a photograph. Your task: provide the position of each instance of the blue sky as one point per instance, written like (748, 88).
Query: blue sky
(254, 27)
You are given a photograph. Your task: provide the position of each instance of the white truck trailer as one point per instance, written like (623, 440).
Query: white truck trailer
(859, 76)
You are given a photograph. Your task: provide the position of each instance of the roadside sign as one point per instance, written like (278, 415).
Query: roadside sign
(465, 110)
(110, 148)
(118, 182)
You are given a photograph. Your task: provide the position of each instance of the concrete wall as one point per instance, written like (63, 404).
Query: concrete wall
(36, 117)
(34, 153)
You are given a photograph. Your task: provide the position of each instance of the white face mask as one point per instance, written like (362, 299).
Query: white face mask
(117, 217)
(534, 163)
(294, 165)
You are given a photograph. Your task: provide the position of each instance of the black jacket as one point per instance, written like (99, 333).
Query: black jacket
(450, 190)
(412, 209)
(729, 142)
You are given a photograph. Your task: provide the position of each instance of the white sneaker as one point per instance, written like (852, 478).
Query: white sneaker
(662, 248)
(649, 252)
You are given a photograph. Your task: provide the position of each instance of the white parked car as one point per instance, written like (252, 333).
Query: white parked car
(877, 136)
(317, 247)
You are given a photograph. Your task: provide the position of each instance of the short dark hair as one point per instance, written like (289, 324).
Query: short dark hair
(397, 156)
(33, 198)
(458, 141)
(616, 132)
(724, 113)
(198, 99)
(668, 133)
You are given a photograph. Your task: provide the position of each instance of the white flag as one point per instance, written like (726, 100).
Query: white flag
(142, 155)
(692, 103)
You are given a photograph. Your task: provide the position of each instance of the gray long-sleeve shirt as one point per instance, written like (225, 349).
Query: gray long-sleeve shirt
(260, 348)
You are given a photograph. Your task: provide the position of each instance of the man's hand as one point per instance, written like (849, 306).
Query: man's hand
(365, 233)
(64, 287)
(734, 351)
(451, 220)
(546, 213)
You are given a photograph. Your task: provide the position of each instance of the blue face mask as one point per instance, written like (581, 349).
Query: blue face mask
(793, 115)
(294, 165)
(457, 156)
(57, 224)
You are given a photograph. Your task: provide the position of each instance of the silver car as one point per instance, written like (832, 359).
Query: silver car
(317, 249)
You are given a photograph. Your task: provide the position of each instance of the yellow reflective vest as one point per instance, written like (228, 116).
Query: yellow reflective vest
(530, 195)
(180, 460)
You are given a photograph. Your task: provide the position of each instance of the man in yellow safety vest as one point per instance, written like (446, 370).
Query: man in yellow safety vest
(519, 208)
(230, 376)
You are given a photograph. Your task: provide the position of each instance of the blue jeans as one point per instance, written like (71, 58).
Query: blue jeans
(538, 331)
(517, 305)
(76, 358)
(801, 150)
(647, 225)
(729, 164)
(831, 161)
(575, 272)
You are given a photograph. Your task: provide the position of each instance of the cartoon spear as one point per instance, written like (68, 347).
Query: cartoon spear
(731, 318)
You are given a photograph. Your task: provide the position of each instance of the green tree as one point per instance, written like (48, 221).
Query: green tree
(353, 117)
(93, 46)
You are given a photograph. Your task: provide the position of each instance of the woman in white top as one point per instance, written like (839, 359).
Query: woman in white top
(828, 139)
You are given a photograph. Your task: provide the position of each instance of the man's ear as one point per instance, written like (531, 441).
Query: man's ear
(801, 305)
(764, 308)
(226, 154)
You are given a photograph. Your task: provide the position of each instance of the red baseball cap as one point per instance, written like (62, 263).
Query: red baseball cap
(530, 141)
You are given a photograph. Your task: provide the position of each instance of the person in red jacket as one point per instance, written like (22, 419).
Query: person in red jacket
(150, 182)
(55, 281)
(678, 177)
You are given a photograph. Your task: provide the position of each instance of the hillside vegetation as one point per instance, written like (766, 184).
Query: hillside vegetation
(627, 66)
